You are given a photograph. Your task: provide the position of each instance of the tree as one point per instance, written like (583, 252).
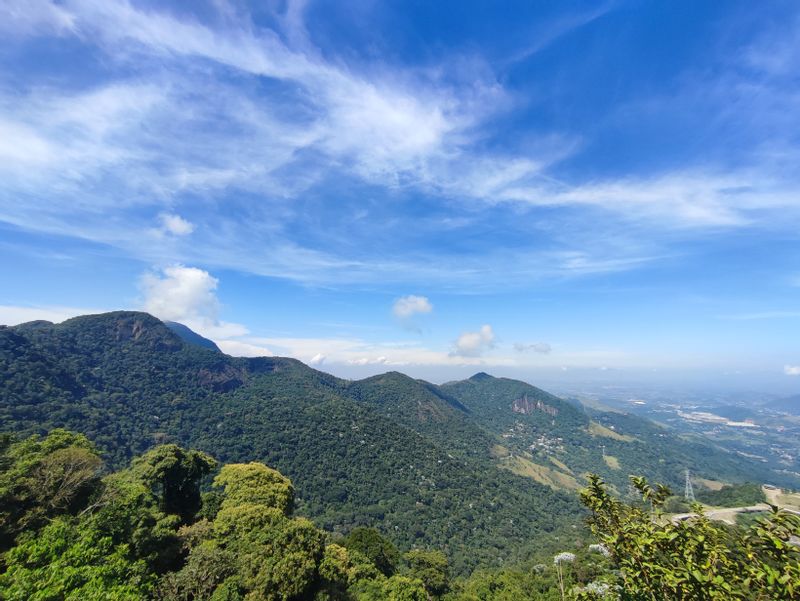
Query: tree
(374, 547)
(174, 476)
(144, 534)
(67, 561)
(403, 588)
(253, 547)
(41, 478)
(255, 483)
(431, 568)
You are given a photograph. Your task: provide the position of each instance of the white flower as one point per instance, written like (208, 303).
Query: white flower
(599, 548)
(564, 558)
(599, 590)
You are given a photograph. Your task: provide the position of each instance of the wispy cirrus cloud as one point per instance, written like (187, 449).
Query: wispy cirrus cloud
(253, 121)
(23, 17)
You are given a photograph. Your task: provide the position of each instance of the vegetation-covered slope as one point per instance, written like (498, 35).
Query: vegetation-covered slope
(416, 460)
(357, 456)
(146, 532)
(70, 531)
(555, 441)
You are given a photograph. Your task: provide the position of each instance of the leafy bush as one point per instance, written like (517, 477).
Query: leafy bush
(694, 559)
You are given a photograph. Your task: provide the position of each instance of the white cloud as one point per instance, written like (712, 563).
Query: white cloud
(407, 306)
(187, 295)
(22, 145)
(354, 351)
(180, 292)
(237, 348)
(317, 359)
(674, 199)
(536, 347)
(777, 55)
(368, 361)
(401, 354)
(11, 315)
(383, 126)
(175, 224)
(791, 370)
(31, 16)
(473, 344)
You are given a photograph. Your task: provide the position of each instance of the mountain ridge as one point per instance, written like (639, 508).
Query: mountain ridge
(475, 464)
(128, 382)
(190, 336)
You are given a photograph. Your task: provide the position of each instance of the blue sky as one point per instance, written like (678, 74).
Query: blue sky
(436, 187)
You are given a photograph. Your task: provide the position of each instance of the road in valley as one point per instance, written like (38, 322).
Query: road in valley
(728, 514)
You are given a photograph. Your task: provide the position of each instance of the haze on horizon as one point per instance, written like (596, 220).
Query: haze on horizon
(563, 193)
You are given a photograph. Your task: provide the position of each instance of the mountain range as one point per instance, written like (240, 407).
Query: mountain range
(484, 468)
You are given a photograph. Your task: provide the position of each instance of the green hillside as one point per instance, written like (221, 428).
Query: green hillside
(554, 441)
(481, 468)
(359, 454)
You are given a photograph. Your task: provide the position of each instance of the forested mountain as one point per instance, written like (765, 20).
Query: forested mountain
(558, 442)
(481, 469)
(357, 457)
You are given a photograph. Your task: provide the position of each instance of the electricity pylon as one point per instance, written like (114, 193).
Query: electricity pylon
(689, 491)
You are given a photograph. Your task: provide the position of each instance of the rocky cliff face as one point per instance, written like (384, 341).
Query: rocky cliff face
(526, 406)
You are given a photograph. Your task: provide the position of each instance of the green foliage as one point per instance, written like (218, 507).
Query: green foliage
(115, 547)
(146, 533)
(44, 477)
(535, 583)
(255, 483)
(276, 556)
(255, 548)
(123, 538)
(403, 588)
(377, 549)
(401, 455)
(128, 513)
(646, 448)
(207, 569)
(676, 504)
(174, 476)
(737, 495)
(396, 588)
(693, 559)
(430, 567)
(70, 561)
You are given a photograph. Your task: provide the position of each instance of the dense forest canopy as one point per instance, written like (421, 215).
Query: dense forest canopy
(70, 530)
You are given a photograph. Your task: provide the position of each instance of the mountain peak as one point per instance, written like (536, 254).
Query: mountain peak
(120, 328)
(189, 336)
(481, 376)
